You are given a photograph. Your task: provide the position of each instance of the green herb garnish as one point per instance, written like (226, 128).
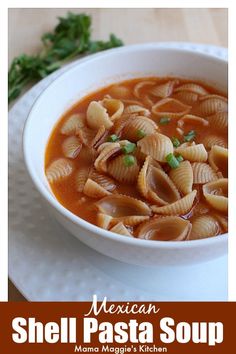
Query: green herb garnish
(190, 135)
(129, 160)
(141, 134)
(172, 160)
(113, 138)
(175, 141)
(164, 120)
(179, 157)
(128, 148)
(70, 38)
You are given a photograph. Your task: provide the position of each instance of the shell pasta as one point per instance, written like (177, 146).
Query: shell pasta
(145, 158)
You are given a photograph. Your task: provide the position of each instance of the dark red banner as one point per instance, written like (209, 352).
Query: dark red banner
(175, 328)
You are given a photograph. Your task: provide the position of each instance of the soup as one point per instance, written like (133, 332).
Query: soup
(145, 158)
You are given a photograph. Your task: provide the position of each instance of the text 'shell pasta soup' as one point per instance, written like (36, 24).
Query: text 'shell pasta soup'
(145, 158)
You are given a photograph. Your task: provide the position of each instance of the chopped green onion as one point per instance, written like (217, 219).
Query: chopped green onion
(175, 141)
(190, 135)
(172, 160)
(164, 120)
(179, 157)
(141, 134)
(129, 160)
(112, 138)
(128, 148)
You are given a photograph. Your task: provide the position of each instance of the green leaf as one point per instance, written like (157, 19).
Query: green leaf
(97, 46)
(128, 148)
(190, 135)
(175, 141)
(179, 157)
(141, 133)
(70, 38)
(129, 160)
(164, 120)
(172, 161)
(113, 138)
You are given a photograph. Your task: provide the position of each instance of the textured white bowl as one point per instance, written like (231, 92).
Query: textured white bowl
(91, 74)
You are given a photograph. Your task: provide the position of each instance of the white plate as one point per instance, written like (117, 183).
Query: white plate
(46, 263)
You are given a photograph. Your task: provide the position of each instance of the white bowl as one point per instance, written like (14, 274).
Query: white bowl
(83, 78)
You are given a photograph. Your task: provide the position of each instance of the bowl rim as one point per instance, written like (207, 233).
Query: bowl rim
(51, 199)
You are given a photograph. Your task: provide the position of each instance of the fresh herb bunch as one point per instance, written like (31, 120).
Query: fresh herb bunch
(70, 38)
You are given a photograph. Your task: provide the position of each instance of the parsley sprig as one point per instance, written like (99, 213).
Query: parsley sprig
(70, 38)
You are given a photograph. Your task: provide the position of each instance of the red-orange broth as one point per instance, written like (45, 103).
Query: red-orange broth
(65, 189)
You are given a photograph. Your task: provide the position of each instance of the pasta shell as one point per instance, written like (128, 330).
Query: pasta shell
(106, 96)
(169, 228)
(71, 147)
(124, 143)
(223, 221)
(121, 229)
(183, 177)
(211, 104)
(180, 131)
(139, 87)
(103, 220)
(73, 124)
(140, 156)
(111, 144)
(114, 107)
(156, 145)
(103, 145)
(219, 121)
(100, 137)
(122, 173)
(120, 91)
(136, 109)
(211, 140)
(218, 159)
(122, 208)
(121, 122)
(135, 125)
(187, 144)
(86, 135)
(111, 149)
(153, 163)
(97, 115)
(186, 97)
(180, 207)
(59, 170)
(129, 102)
(161, 189)
(163, 90)
(142, 177)
(216, 194)
(201, 208)
(148, 101)
(194, 88)
(132, 220)
(204, 226)
(81, 178)
(103, 180)
(193, 153)
(203, 173)
(94, 190)
(170, 107)
(155, 185)
(193, 120)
